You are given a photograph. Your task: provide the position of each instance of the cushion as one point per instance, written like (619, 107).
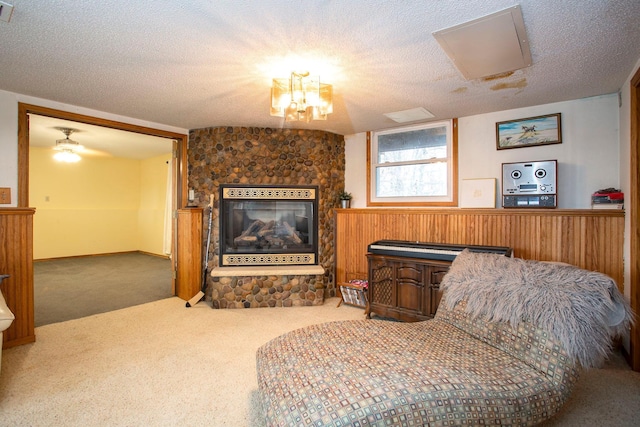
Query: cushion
(575, 305)
(6, 316)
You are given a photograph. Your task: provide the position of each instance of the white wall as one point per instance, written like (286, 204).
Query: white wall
(588, 158)
(355, 168)
(9, 144)
(9, 132)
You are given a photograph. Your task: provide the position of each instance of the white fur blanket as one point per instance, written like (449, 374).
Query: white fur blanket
(579, 307)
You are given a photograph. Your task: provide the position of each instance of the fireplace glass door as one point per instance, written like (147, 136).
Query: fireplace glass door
(268, 228)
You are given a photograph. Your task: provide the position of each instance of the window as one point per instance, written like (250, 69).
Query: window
(413, 166)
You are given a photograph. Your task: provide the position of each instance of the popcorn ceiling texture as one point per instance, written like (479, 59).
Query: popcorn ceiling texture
(183, 63)
(253, 155)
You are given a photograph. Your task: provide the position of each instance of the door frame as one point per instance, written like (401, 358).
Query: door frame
(634, 220)
(179, 155)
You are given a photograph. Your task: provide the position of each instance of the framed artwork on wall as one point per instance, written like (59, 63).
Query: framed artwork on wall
(540, 130)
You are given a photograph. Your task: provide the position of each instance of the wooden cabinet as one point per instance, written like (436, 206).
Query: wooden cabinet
(189, 248)
(403, 288)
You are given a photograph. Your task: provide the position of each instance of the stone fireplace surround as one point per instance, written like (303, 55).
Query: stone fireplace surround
(268, 156)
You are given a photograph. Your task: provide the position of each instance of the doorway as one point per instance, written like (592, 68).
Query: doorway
(24, 132)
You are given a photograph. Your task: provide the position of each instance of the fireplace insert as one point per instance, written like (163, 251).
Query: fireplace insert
(268, 225)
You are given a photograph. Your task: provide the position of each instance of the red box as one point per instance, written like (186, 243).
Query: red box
(611, 196)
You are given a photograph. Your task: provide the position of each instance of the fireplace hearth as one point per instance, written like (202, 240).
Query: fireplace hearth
(268, 225)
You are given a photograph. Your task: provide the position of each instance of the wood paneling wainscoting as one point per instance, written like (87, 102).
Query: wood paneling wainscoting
(16, 259)
(189, 254)
(590, 239)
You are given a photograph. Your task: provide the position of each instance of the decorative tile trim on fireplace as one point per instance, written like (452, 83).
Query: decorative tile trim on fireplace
(268, 259)
(269, 192)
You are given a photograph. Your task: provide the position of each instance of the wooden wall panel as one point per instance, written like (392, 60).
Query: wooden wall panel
(590, 239)
(189, 280)
(16, 260)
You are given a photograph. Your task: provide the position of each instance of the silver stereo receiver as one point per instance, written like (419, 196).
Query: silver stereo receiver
(529, 185)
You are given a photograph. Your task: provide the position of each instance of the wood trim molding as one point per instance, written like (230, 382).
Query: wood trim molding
(454, 163)
(454, 174)
(23, 155)
(17, 211)
(493, 212)
(634, 212)
(368, 168)
(181, 143)
(23, 144)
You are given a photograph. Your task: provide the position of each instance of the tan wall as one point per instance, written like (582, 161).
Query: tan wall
(90, 207)
(153, 189)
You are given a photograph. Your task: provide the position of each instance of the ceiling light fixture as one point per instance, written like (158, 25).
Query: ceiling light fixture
(67, 148)
(301, 98)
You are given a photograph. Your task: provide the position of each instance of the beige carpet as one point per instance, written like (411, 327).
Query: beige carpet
(161, 364)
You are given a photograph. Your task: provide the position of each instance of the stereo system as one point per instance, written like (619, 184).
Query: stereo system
(529, 185)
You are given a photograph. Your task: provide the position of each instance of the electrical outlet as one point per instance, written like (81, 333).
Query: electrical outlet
(5, 196)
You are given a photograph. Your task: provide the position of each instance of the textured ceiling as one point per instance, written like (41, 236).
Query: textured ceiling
(200, 63)
(97, 141)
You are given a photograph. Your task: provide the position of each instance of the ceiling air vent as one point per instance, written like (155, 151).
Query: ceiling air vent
(6, 10)
(411, 115)
(487, 46)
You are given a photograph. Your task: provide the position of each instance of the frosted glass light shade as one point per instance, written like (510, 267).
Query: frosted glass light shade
(68, 144)
(66, 156)
(301, 98)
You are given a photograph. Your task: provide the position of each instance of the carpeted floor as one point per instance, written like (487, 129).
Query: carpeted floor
(70, 288)
(161, 364)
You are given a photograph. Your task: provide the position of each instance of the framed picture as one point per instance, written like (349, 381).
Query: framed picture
(540, 130)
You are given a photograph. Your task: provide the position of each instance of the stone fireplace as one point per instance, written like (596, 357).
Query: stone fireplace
(259, 157)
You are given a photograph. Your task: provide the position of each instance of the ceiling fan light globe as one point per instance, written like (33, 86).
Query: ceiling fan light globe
(67, 156)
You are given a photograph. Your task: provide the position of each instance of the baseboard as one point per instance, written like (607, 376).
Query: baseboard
(104, 254)
(155, 255)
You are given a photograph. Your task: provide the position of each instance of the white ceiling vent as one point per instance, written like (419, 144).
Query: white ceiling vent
(411, 115)
(487, 46)
(6, 10)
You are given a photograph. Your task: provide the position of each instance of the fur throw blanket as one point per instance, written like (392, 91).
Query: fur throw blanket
(583, 309)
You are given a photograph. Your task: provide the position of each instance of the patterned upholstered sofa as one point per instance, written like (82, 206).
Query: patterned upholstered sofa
(6, 317)
(506, 346)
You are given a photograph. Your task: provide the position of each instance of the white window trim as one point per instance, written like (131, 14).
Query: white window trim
(448, 200)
